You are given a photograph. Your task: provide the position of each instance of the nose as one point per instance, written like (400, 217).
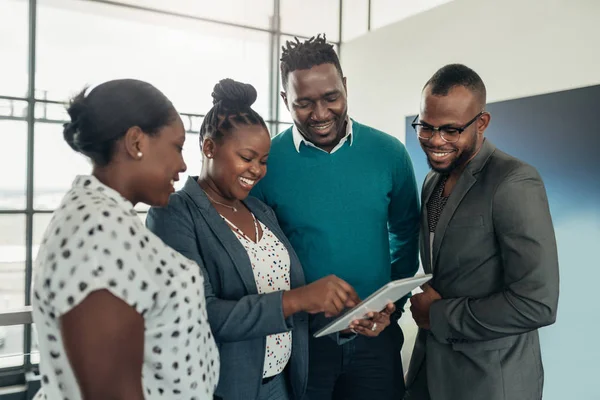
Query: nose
(436, 140)
(256, 169)
(183, 166)
(321, 111)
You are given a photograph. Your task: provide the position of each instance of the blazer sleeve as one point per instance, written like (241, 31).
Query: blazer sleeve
(250, 317)
(527, 247)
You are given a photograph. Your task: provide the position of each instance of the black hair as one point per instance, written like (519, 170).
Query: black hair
(305, 55)
(102, 117)
(453, 75)
(232, 106)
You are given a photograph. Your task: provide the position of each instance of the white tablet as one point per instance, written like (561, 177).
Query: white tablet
(376, 302)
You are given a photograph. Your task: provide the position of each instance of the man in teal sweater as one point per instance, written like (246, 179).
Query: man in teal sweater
(346, 197)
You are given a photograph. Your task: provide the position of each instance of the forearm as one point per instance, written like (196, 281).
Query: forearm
(498, 315)
(250, 317)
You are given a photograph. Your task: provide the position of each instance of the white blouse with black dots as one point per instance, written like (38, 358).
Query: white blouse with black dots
(96, 241)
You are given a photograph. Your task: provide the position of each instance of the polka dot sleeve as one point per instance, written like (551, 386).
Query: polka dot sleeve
(95, 250)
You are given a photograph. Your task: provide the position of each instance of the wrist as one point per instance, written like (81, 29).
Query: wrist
(291, 302)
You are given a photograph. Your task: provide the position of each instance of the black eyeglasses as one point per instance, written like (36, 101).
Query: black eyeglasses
(449, 134)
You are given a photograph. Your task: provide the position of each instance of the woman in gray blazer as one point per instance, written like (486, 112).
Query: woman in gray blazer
(257, 300)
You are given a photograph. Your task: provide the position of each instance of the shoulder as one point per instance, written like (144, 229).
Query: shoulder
(257, 204)
(385, 141)
(175, 215)
(282, 140)
(507, 167)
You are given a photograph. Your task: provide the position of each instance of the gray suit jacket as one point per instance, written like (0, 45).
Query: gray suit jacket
(240, 318)
(495, 265)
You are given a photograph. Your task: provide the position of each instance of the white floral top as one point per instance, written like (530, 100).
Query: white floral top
(96, 241)
(271, 266)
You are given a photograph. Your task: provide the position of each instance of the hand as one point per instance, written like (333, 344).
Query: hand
(329, 295)
(421, 303)
(375, 322)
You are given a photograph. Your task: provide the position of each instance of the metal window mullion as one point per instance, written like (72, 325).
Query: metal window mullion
(29, 193)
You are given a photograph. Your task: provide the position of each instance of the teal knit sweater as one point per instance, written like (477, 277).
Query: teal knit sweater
(353, 213)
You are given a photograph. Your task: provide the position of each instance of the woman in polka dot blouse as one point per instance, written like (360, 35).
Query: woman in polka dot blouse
(256, 299)
(119, 314)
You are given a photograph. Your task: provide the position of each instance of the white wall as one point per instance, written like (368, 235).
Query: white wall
(518, 47)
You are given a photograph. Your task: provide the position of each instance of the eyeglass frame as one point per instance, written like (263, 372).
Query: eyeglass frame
(440, 129)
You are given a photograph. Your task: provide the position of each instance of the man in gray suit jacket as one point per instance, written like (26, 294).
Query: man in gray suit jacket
(487, 238)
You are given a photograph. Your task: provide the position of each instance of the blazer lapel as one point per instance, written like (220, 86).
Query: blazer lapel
(464, 184)
(428, 187)
(261, 213)
(221, 230)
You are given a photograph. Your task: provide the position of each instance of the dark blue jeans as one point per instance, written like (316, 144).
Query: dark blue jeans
(363, 368)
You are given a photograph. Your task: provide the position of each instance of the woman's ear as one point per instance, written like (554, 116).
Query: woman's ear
(209, 148)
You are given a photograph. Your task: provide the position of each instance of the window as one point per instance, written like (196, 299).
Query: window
(14, 46)
(252, 13)
(88, 43)
(55, 166)
(12, 285)
(13, 164)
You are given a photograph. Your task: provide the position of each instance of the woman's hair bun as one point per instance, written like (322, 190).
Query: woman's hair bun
(71, 130)
(233, 94)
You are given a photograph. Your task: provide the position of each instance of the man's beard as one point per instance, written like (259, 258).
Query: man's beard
(461, 161)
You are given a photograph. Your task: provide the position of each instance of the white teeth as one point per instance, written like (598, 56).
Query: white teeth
(440, 154)
(322, 127)
(172, 182)
(247, 181)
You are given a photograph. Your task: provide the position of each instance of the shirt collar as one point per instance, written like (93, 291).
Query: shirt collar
(91, 183)
(299, 139)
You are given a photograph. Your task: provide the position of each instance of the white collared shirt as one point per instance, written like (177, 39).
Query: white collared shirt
(299, 139)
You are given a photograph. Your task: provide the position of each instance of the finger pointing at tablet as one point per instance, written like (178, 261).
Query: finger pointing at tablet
(329, 295)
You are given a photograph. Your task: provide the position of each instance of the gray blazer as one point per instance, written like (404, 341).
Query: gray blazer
(240, 318)
(495, 265)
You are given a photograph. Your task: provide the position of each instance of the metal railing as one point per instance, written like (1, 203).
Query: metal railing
(18, 316)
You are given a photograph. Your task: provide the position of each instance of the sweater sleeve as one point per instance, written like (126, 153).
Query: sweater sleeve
(403, 220)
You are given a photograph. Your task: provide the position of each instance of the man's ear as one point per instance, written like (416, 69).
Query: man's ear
(284, 98)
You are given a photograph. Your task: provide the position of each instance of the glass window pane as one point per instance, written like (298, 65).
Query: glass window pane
(13, 164)
(282, 127)
(55, 166)
(385, 12)
(12, 261)
(182, 57)
(251, 13)
(11, 346)
(311, 17)
(355, 19)
(14, 34)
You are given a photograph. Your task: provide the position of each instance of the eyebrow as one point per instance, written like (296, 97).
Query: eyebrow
(450, 125)
(330, 93)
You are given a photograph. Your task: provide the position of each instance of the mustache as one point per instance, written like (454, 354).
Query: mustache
(438, 149)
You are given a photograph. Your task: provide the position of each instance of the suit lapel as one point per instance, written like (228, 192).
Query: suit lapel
(296, 274)
(464, 184)
(224, 234)
(428, 187)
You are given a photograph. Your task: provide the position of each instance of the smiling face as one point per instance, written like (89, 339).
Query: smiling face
(455, 110)
(238, 160)
(161, 164)
(317, 101)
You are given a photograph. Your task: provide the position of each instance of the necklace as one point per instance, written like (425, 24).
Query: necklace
(218, 202)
